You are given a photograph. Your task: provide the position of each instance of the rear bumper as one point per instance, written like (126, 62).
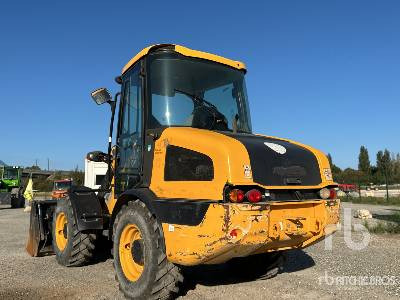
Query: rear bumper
(234, 230)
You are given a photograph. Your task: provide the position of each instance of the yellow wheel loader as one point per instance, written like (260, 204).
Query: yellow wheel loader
(188, 181)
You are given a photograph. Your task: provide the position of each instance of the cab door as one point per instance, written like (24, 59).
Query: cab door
(130, 133)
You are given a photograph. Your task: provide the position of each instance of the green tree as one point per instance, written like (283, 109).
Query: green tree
(384, 166)
(336, 171)
(349, 176)
(364, 164)
(77, 176)
(37, 168)
(396, 168)
(329, 159)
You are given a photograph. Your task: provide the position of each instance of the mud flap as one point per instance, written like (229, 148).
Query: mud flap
(40, 237)
(87, 208)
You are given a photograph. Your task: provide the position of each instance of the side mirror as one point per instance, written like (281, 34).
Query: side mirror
(101, 96)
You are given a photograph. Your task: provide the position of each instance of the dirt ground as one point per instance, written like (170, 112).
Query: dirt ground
(312, 273)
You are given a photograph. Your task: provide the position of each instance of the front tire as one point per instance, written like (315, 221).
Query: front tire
(17, 199)
(140, 263)
(72, 247)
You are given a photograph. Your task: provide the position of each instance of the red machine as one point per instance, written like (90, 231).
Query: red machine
(60, 188)
(347, 188)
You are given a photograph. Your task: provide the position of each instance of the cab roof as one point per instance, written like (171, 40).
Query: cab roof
(187, 52)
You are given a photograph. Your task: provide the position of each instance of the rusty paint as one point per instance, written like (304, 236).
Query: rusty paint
(210, 242)
(257, 217)
(220, 240)
(225, 225)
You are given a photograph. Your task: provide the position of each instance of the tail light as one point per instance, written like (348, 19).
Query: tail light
(333, 194)
(236, 196)
(254, 196)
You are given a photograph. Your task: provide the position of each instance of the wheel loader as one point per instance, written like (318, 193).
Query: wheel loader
(188, 181)
(11, 186)
(60, 188)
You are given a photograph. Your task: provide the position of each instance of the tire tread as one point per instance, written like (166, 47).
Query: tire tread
(168, 277)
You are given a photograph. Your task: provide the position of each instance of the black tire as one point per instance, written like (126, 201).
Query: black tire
(259, 266)
(14, 202)
(79, 246)
(159, 278)
(17, 201)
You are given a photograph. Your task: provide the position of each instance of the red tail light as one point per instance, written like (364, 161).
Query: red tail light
(332, 194)
(254, 196)
(236, 196)
(234, 233)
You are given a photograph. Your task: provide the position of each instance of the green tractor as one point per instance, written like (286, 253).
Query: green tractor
(11, 187)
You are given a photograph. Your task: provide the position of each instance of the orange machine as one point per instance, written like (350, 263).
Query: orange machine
(60, 188)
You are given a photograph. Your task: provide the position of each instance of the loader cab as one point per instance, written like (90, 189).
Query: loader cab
(11, 173)
(130, 138)
(168, 89)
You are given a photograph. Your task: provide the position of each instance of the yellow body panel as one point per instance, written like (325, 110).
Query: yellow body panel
(188, 52)
(229, 157)
(224, 151)
(258, 229)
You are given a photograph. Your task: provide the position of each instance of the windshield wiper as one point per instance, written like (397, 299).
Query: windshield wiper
(218, 116)
(198, 99)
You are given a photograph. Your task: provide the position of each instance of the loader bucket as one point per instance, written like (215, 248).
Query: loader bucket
(40, 238)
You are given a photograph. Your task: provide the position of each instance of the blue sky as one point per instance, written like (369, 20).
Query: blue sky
(325, 73)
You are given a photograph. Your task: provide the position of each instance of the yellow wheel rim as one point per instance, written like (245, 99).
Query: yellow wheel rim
(131, 252)
(61, 231)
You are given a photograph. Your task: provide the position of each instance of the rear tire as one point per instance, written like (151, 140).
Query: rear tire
(259, 266)
(14, 202)
(140, 262)
(17, 201)
(72, 247)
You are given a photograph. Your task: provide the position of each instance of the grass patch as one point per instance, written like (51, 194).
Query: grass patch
(390, 225)
(372, 200)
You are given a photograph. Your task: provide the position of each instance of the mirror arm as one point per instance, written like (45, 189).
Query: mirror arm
(113, 105)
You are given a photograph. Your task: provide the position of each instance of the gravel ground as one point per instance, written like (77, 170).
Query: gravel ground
(307, 274)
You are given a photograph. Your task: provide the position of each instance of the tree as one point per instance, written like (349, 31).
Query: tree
(78, 176)
(364, 164)
(34, 167)
(330, 159)
(336, 171)
(384, 166)
(396, 168)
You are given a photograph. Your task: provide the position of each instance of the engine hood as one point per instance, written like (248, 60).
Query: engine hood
(276, 162)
